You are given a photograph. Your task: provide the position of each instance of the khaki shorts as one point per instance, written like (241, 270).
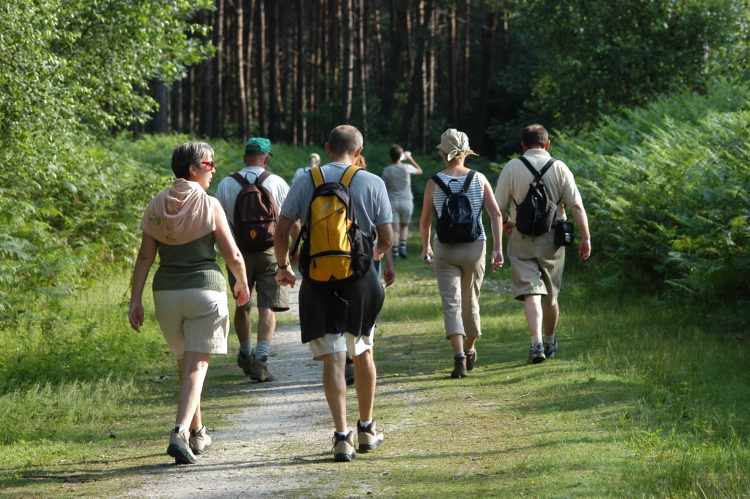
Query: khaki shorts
(332, 343)
(536, 266)
(402, 211)
(193, 320)
(261, 274)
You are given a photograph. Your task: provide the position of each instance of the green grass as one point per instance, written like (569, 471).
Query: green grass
(645, 399)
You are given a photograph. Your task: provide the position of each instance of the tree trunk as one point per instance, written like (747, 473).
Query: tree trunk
(178, 106)
(348, 79)
(260, 68)
(159, 122)
(489, 49)
(240, 59)
(416, 80)
(394, 63)
(363, 63)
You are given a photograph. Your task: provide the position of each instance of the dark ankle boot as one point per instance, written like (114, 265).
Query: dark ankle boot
(459, 371)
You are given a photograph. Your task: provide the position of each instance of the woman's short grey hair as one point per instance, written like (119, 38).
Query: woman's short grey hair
(189, 153)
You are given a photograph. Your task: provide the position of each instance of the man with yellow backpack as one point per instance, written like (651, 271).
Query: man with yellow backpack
(343, 209)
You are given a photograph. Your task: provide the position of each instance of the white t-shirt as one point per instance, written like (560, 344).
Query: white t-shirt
(229, 188)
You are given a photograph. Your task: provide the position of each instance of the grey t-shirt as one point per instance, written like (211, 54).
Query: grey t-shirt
(397, 180)
(370, 199)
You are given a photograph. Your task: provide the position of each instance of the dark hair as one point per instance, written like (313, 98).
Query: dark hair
(534, 135)
(345, 139)
(396, 152)
(189, 153)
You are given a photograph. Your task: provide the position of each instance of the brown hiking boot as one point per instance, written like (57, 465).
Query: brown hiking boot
(179, 448)
(200, 441)
(369, 438)
(245, 363)
(343, 447)
(259, 369)
(459, 371)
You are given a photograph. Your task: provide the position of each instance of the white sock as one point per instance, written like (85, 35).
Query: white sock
(342, 434)
(536, 338)
(178, 428)
(549, 339)
(364, 424)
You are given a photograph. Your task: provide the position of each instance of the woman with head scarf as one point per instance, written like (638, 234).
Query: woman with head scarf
(459, 266)
(182, 224)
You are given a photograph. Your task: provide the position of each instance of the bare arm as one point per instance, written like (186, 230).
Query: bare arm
(496, 218)
(581, 219)
(425, 220)
(385, 240)
(232, 255)
(143, 262)
(285, 276)
(414, 163)
(389, 274)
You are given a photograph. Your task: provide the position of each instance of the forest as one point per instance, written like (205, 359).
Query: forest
(80, 79)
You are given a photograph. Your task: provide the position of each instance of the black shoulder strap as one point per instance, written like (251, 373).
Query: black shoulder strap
(239, 178)
(538, 174)
(442, 185)
(467, 182)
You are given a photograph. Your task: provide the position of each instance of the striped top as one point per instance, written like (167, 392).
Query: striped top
(188, 266)
(475, 193)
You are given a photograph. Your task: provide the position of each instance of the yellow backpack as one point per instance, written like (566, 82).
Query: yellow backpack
(333, 248)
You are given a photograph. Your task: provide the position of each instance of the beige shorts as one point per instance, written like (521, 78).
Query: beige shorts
(193, 320)
(332, 343)
(536, 266)
(402, 211)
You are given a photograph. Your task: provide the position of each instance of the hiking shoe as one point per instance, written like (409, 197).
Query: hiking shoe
(459, 369)
(402, 251)
(245, 362)
(259, 369)
(200, 441)
(349, 371)
(369, 437)
(536, 353)
(179, 447)
(471, 359)
(550, 348)
(343, 447)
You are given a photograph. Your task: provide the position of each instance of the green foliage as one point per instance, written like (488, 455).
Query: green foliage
(582, 60)
(666, 188)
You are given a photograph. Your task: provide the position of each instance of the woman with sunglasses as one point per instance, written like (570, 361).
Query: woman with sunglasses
(182, 224)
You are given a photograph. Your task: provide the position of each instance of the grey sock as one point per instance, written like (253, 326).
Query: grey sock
(246, 347)
(262, 348)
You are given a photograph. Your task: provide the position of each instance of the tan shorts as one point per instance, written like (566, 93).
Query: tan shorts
(536, 266)
(332, 343)
(261, 274)
(193, 320)
(402, 211)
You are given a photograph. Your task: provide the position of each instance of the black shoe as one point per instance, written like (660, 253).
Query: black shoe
(471, 359)
(349, 371)
(459, 370)
(536, 353)
(245, 363)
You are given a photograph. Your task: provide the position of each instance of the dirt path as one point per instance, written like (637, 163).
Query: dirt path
(261, 455)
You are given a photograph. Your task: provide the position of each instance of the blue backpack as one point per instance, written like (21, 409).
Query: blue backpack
(458, 223)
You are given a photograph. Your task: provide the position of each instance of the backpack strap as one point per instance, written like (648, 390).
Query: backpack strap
(538, 174)
(316, 174)
(439, 182)
(467, 182)
(240, 179)
(348, 175)
(262, 177)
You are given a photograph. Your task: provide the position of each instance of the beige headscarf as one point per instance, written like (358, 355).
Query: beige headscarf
(180, 214)
(453, 143)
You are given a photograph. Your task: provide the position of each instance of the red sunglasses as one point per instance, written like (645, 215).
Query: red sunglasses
(209, 164)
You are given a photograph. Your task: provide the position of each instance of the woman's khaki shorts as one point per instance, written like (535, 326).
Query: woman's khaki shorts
(332, 343)
(536, 266)
(193, 320)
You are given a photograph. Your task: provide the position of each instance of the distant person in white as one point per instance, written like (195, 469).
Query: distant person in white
(397, 178)
(313, 160)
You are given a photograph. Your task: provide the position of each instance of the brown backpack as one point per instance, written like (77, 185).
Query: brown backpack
(254, 215)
